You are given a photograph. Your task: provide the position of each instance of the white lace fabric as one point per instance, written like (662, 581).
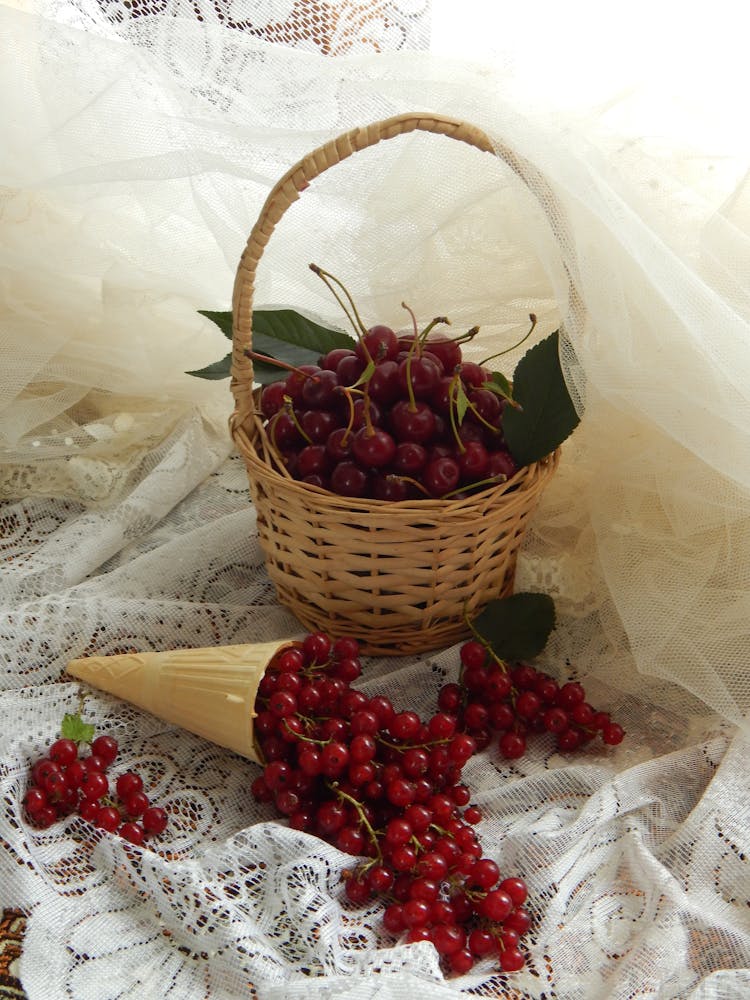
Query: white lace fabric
(140, 140)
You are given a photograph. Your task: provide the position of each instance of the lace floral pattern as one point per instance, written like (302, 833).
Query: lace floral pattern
(139, 142)
(332, 28)
(612, 844)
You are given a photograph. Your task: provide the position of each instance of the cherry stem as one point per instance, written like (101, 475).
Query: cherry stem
(289, 407)
(272, 429)
(480, 418)
(278, 364)
(507, 350)
(431, 325)
(414, 347)
(466, 337)
(415, 482)
(370, 430)
(492, 481)
(348, 392)
(359, 327)
(415, 342)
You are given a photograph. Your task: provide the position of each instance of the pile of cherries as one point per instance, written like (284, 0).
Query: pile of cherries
(395, 417)
(385, 786)
(64, 782)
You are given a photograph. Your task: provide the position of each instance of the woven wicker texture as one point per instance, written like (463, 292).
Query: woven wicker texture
(399, 577)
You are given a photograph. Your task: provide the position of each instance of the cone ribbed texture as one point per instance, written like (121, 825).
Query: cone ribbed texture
(210, 692)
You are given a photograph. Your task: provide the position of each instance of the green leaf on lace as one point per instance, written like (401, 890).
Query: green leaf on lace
(546, 415)
(517, 627)
(74, 728)
(282, 334)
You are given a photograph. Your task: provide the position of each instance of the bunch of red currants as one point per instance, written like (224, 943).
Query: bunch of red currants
(65, 782)
(385, 786)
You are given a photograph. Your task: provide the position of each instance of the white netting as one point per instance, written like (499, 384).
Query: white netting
(139, 141)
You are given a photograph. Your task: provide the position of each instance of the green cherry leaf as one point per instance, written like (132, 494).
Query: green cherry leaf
(277, 330)
(222, 319)
(74, 728)
(219, 369)
(517, 627)
(366, 374)
(283, 334)
(500, 385)
(545, 416)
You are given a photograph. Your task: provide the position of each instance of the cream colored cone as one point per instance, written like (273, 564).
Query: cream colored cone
(209, 691)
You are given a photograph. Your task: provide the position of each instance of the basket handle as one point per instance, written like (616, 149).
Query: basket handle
(298, 177)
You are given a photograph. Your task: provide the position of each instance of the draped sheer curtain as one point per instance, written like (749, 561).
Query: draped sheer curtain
(139, 139)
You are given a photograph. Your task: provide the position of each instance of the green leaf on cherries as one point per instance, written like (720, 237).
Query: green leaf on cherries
(517, 627)
(500, 385)
(546, 415)
(366, 374)
(283, 334)
(462, 402)
(74, 728)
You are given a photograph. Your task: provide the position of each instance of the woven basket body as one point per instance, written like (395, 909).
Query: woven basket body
(399, 577)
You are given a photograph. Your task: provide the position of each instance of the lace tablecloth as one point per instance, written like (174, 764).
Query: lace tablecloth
(635, 856)
(137, 151)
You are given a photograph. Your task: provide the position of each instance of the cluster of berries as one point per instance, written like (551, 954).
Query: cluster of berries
(392, 418)
(64, 782)
(385, 786)
(517, 701)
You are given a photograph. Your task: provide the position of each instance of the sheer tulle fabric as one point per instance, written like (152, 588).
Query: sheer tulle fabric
(139, 144)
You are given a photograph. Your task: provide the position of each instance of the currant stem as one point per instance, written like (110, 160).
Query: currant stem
(305, 739)
(481, 639)
(334, 787)
(411, 746)
(507, 350)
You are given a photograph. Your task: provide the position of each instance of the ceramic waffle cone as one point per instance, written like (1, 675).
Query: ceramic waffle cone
(211, 692)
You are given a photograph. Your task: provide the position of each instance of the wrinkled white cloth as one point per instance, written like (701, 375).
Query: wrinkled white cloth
(137, 152)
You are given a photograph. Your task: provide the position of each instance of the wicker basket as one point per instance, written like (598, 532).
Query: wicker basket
(400, 577)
